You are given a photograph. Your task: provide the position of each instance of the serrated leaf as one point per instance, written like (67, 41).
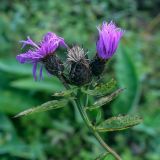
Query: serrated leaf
(101, 89)
(55, 104)
(109, 98)
(102, 101)
(119, 123)
(66, 93)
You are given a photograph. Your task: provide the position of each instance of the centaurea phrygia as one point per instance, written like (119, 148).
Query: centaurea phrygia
(108, 40)
(80, 72)
(40, 51)
(107, 43)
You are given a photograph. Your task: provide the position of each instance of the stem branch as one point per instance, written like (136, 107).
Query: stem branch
(96, 134)
(88, 121)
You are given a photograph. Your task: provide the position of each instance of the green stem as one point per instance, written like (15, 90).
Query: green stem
(96, 134)
(110, 150)
(88, 122)
(86, 101)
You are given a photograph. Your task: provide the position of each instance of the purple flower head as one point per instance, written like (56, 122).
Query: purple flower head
(109, 37)
(39, 51)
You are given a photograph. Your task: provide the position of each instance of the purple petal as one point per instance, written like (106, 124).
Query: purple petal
(28, 42)
(53, 38)
(109, 37)
(48, 36)
(50, 42)
(62, 43)
(34, 71)
(30, 56)
(40, 72)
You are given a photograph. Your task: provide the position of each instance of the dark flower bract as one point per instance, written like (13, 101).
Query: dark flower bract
(80, 72)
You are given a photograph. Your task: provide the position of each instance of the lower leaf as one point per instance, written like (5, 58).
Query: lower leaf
(119, 123)
(44, 107)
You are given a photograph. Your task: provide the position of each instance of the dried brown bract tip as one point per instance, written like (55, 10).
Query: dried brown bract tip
(80, 72)
(76, 54)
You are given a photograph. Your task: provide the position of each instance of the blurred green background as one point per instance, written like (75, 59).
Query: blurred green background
(61, 134)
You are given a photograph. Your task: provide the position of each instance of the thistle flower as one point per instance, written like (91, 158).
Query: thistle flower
(41, 51)
(108, 40)
(107, 43)
(80, 72)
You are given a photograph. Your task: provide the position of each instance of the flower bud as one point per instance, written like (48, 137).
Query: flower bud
(107, 43)
(108, 40)
(80, 72)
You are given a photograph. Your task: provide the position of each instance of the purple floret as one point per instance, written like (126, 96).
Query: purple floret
(39, 51)
(108, 40)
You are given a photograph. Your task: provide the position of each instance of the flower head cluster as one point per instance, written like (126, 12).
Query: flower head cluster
(81, 69)
(39, 51)
(108, 40)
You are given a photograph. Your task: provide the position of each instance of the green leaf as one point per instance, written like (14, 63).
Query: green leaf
(119, 123)
(65, 93)
(127, 77)
(15, 146)
(13, 67)
(44, 107)
(101, 89)
(29, 84)
(99, 116)
(102, 101)
(12, 102)
(109, 98)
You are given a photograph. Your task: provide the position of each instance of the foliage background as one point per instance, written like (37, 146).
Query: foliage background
(61, 134)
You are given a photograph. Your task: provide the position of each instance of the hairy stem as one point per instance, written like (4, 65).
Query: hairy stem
(96, 134)
(88, 121)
